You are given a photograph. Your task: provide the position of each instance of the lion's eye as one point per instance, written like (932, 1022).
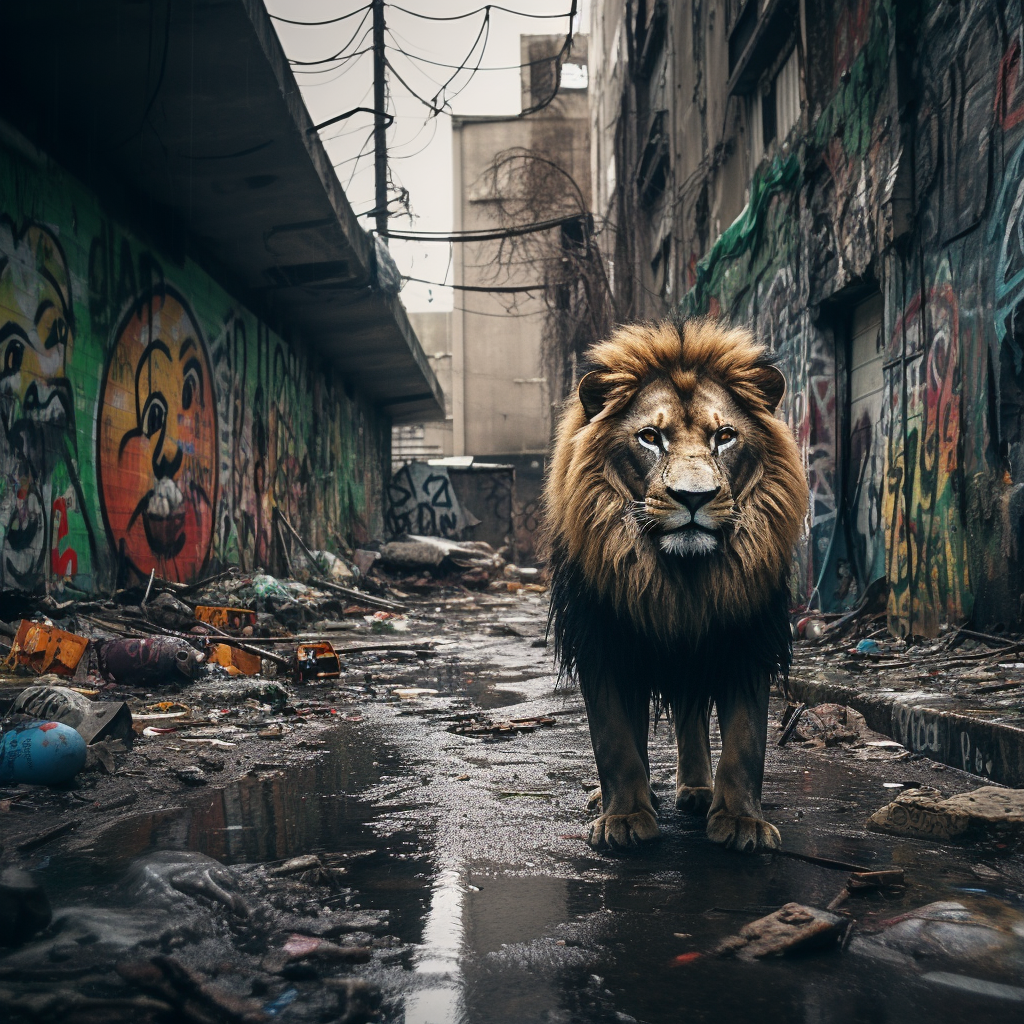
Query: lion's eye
(649, 437)
(724, 437)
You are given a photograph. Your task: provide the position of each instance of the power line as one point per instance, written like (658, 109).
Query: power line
(469, 14)
(329, 21)
(482, 235)
(328, 60)
(500, 289)
(460, 67)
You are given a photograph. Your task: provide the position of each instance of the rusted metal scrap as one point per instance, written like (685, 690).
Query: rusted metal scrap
(44, 648)
(226, 617)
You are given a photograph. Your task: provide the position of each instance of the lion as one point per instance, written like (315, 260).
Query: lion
(672, 506)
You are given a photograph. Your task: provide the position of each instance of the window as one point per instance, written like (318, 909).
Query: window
(574, 76)
(774, 108)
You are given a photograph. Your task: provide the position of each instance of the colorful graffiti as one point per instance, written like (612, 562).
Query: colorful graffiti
(145, 407)
(157, 440)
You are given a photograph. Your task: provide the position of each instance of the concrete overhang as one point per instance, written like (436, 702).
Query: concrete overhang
(189, 116)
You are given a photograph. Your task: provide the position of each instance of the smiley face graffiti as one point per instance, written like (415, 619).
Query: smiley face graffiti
(36, 407)
(157, 440)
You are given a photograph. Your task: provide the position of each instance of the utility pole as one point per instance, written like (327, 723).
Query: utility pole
(380, 142)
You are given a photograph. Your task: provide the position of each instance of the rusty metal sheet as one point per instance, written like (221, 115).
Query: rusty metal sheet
(225, 617)
(44, 648)
(316, 661)
(231, 658)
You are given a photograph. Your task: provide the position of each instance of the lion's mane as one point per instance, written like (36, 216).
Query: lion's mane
(621, 607)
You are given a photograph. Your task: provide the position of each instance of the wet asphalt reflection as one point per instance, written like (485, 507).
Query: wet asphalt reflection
(475, 850)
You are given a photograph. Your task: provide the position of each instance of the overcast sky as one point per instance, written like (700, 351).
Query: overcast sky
(420, 145)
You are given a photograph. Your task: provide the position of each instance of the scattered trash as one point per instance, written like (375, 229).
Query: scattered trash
(316, 661)
(167, 661)
(868, 647)
(948, 931)
(470, 725)
(42, 648)
(791, 930)
(226, 618)
(236, 661)
(927, 813)
(41, 753)
(167, 611)
(93, 720)
(412, 692)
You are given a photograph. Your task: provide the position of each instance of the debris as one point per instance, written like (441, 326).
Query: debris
(167, 611)
(44, 648)
(92, 720)
(925, 812)
(330, 565)
(225, 618)
(828, 725)
(124, 800)
(469, 725)
(41, 753)
(412, 692)
(364, 560)
(949, 931)
(137, 661)
(314, 661)
(191, 775)
(789, 722)
(792, 929)
(868, 647)
(24, 908)
(236, 661)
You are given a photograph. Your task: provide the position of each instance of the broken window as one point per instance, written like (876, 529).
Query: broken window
(655, 160)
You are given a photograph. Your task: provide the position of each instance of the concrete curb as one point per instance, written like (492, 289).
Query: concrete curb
(992, 750)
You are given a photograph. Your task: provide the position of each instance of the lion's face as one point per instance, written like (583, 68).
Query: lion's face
(684, 457)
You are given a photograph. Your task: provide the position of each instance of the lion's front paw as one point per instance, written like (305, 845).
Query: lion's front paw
(594, 800)
(748, 835)
(623, 831)
(694, 799)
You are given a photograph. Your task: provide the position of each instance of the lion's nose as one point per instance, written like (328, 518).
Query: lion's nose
(693, 500)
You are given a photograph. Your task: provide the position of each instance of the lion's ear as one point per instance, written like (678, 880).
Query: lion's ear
(593, 391)
(770, 381)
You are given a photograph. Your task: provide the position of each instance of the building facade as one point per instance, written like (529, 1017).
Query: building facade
(193, 337)
(845, 177)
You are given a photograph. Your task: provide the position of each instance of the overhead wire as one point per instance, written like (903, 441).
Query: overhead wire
(329, 21)
(469, 14)
(328, 60)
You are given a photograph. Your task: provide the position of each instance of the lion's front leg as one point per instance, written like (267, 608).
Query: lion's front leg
(693, 749)
(735, 818)
(627, 818)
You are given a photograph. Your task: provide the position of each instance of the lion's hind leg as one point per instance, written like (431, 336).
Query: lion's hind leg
(619, 735)
(693, 749)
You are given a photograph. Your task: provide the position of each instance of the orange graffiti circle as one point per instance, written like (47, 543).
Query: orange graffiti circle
(157, 440)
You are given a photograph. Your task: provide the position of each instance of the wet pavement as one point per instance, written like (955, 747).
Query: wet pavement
(468, 883)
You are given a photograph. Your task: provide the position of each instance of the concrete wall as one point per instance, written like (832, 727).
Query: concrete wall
(149, 420)
(903, 178)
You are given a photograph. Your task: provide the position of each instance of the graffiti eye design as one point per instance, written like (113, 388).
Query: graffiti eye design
(154, 415)
(725, 437)
(13, 356)
(191, 388)
(58, 333)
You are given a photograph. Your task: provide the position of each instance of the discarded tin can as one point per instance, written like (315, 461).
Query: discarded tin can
(225, 618)
(45, 648)
(316, 661)
(41, 753)
(238, 663)
(158, 659)
(92, 720)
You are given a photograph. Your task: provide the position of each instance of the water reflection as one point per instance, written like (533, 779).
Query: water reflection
(440, 956)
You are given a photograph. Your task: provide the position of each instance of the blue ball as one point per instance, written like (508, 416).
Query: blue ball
(41, 753)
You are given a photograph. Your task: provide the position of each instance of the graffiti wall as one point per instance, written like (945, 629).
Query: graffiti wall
(906, 181)
(150, 421)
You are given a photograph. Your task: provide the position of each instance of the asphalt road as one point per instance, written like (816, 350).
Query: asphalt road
(501, 912)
